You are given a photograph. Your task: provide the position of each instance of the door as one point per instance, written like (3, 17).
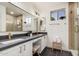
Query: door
(14, 51)
(27, 49)
(43, 43)
(71, 25)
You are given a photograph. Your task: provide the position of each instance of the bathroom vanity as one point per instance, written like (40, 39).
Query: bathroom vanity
(19, 20)
(23, 46)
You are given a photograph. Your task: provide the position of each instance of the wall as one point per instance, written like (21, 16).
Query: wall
(2, 18)
(60, 30)
(56, 28)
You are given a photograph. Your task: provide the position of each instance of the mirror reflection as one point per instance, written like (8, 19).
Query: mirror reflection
(13, 18)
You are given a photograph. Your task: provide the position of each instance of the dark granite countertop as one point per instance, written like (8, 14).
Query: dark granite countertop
(25, 39)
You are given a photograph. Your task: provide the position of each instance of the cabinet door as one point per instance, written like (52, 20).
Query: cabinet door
(27, 49)
(14, 51)
(43, 43)
(21, 50)
(45, 39)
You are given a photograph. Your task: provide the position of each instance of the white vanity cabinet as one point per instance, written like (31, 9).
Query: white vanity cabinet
(24, 49)
(14, 51)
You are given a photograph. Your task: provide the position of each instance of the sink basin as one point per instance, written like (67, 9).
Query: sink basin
(11, 41)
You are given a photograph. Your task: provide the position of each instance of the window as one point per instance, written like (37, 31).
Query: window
(54, 15)
(61, 14)
(57, 15)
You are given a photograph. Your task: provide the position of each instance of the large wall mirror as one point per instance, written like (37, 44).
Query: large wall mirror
(12, 18)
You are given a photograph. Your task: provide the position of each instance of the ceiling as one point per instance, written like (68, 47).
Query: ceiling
(44, 5)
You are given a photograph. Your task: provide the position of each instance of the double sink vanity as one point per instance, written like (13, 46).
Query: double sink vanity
(23, 44)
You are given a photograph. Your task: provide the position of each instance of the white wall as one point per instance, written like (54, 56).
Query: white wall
(60, 30)
(2, 18)
(52, 28)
